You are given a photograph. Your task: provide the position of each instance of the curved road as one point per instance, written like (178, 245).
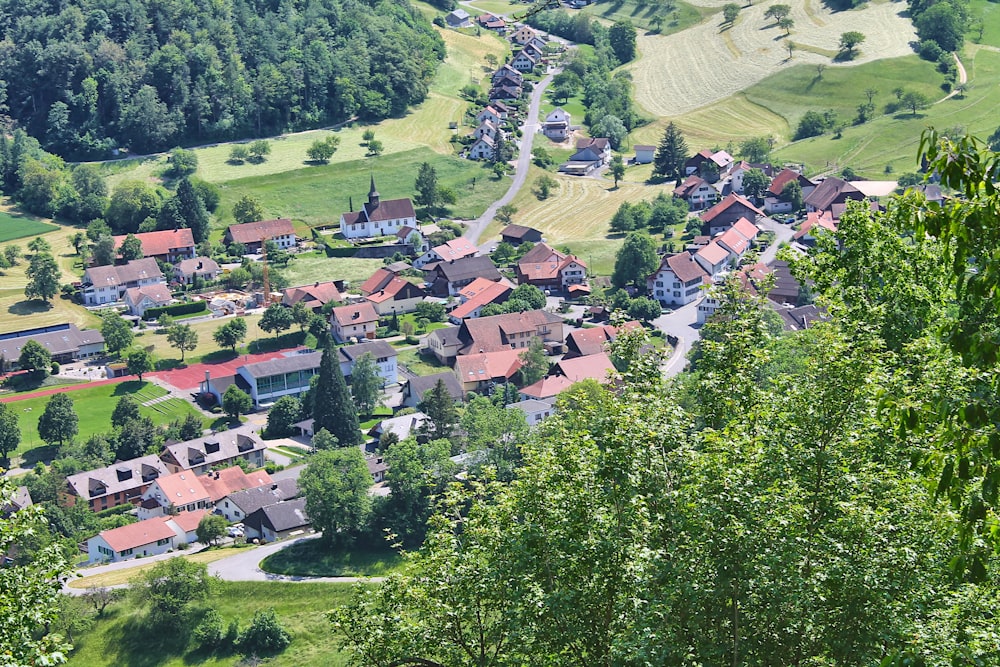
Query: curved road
(528, 131)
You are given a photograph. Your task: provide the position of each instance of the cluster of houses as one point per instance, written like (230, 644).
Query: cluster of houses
(140, 283)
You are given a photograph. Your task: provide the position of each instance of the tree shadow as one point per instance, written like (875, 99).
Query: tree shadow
(845, 56)
(41, 454)
(170, 364)
(219, 357)
(129, 387)
(136, 642)
(283, 342)
(30, 307)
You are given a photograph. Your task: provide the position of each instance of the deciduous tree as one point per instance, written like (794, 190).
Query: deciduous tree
(139, 362)
(117, 332)
(248, 209)
(211, 529)
(183, 337)
(231, 334)
(35, 358)
(236, 402)
(10, 433)
(635, 260)
(58, 424)
(43, 277)
(276, 319)
(366, 384)
(335, 484)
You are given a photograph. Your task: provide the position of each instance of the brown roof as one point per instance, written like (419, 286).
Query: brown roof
(518, 231)
(684, 267)
(584, 342)
(829, 190)
(599, 144)
(354, 314)
(481, 367)
(137, 534)
(487, 334)
(255, 232)
(592, 366)
(314, 295)
(690, 184)
(377, 281)
(782, 179)
(162, 242)
(157, 293)
(397, 287)
(198, 265)
(390, 209)
(468, 268)
(725, 204)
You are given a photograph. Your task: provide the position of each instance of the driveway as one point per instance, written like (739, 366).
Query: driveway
(782, 234)
(682, 323)
(528, 130)
(245, 566)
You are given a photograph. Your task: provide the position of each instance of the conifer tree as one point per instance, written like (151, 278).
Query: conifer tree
(439, 407)
(192, 209)
(333, 407)
(671, 154)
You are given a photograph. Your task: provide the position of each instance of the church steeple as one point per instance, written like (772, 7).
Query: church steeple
(373, 194)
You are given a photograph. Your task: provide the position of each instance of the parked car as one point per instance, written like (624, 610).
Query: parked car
(235, 530)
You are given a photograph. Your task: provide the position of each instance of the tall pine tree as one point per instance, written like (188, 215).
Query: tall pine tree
(333, 407)
(192, 209)
(671, 154)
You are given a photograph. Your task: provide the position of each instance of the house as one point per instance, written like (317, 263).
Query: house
(278, 521)
(735, 172)
(65, 342)
(415, 388)
(535, 48)
(548, 269)
(810, 229)
(377, 217)
(697, 192)
(141, 299)
(568, 372)
(456, 248)
(267, 381)
(723, 215)
(253, 234)
(187, 270)
(510, 78)
(402, 427)
(487, 129)
(484, 148)
(717, 162)
(644, 154)
(357, 320)
(220, 483)
(413, 237)
(171, 494)
(773, 202)
(238, 505)
(557, 124)
(397, 296)
(518, 234)
(459, 18)
(713, 258)
(21, 499)
(217, 450)
(377, 281)
(523, 35)
(678, 280)
(492, 22)
(505, 93)
(510, 331)
(595, 340)
(477, 295)
(525, 61)
(107, 284)
(590, 154)
(829, 192)
(445, 343)
(738, 239)
(448, 277)
(534, 410)
(490, 113)
(787, 289)
(800, 317)
(143, 538)
(314, 296)
(383, 354)
(117, 484)
(482, 371)
(170, 245)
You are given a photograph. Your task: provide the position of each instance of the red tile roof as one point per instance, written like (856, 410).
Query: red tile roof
(255, 232)
(724, 205)
(182, 488)
(547, 387)
(377, 281)
(592, 366)
(136, 535)
(478, 293)
(390, 290)
(390, 209)
(714, 253)
(354, 314)
(162, 242)
(816, 219)
(456, 248)
(784, 178)
(188, 521)
(481, 367)
(221, 483)
(314, 295)
(746, 228)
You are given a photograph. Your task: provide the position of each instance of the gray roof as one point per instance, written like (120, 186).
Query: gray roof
(280, 517)
(198, 265)
(467, 268)
(377, 348)
(251, 500)
(531, 406)
(214, 448)
(420, 385)
(117, 477)
(65, 340)
(296, 362)
(447, 335)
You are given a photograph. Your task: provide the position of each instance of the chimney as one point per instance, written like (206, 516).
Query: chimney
(316, 284)
(208, 376)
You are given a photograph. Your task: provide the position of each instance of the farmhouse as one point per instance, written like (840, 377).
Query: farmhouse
(107, 284)
(773, 201)
(477, 295)
(448, 277)
(217, 450)
(590, 154)
(357, 320)
(377, 217)
(187, 270)
(170, 245)
(491, 22)
(383, 354)
(829, 193)
(482, 371)
(697, 192)
(585, 342)
(678, 281)
(518, 234)
(253, 234)
(415, 388)
(116, 484)
(547, 268)
(557, 124)
(724, 215)
(314, 296)
(65, 342)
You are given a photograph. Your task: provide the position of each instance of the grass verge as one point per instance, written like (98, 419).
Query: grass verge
(314, 558)
(119, 577)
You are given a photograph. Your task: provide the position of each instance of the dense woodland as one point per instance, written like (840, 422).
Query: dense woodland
(86, 77)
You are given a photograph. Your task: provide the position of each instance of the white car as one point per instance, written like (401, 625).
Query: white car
(235, 530)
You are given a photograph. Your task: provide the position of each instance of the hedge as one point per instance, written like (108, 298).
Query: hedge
(340, 252)
(177, 309)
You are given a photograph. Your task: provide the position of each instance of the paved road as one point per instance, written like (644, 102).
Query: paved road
(782, 233)
(528, 131)
(682, 323)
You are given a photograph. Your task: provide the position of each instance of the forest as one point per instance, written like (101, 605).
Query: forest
(86, 77)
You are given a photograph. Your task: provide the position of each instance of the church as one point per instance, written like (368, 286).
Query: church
(378, 218)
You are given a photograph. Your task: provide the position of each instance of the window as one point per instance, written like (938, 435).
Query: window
(128, 552)
(160, 543)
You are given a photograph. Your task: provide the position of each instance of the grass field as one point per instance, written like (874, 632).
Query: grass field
(204, 329)
(704, 64)
(124, 638)
(681, 18)
(119, 577)
(419, 364)
(94, 406)
(318, 267)
(989, 12)
(313, 558)
(18, 226)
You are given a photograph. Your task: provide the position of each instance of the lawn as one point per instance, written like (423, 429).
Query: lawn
(18, 226)
(318, 195)
(119, 577)
(420, 364)
(124, 638)
(989, 12)
(314, 558)
(642, 14)
(94, 406)
(309, 268)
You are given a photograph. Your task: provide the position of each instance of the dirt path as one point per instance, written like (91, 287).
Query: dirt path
(962, 79)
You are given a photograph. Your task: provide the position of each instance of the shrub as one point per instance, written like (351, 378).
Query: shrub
(209, 633)
(264, 634)
(929, 50)
(55, 368)
(188, 308)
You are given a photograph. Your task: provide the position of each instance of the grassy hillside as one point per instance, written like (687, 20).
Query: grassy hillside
(122, 638)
